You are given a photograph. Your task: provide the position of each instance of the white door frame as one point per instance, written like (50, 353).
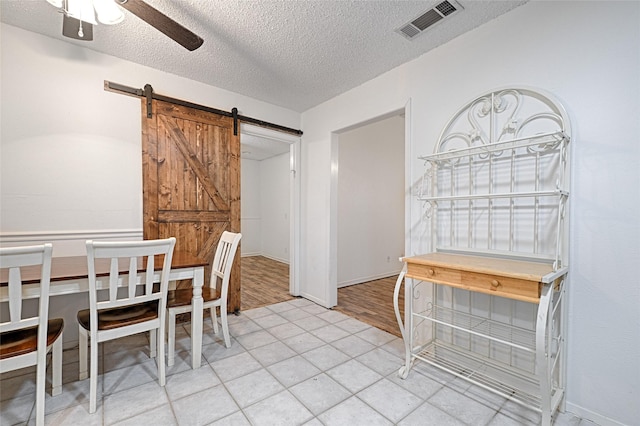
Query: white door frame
(294, 195)
(331, 293)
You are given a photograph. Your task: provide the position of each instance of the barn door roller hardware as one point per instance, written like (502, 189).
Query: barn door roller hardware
(149, 94)
(234, 113)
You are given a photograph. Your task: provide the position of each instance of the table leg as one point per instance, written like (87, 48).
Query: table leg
(196, 318)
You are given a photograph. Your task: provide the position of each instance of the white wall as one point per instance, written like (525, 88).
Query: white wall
(370, 201)
(265, 208)
(70, 166)
(587, 55)
(71, 156)
(250, 215)
(274, 192)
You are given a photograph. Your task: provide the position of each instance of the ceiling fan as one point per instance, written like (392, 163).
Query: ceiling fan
(79, 17)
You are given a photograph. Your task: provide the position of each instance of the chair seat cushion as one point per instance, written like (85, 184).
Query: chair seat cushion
(182, 297)
(120, 317)
(25, 340)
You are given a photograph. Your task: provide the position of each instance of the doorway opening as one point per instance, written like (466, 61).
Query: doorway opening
(369, 200)
(270, 216)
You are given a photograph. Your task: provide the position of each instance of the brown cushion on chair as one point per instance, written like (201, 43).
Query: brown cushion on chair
(121, 317)
(182, 297)
(25, 340)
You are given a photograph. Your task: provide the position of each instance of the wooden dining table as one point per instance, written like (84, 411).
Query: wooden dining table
(69, 275)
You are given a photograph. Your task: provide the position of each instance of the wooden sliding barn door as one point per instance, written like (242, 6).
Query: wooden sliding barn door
(191, 181)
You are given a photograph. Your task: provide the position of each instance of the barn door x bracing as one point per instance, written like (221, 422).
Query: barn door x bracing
(191, 181)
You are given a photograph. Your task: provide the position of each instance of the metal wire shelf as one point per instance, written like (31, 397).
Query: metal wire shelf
(544, 141)
(506, 334)
(514, 385)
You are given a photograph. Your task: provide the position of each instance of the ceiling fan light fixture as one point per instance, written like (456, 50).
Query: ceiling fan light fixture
(81, 10)
(108, 12)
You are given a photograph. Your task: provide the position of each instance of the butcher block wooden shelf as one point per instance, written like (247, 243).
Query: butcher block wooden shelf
(513, 279)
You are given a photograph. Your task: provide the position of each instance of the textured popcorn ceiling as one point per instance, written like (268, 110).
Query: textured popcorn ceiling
(294, 53)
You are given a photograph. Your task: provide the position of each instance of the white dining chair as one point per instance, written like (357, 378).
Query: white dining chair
(134, 302)
(25, 339)
(179, 301)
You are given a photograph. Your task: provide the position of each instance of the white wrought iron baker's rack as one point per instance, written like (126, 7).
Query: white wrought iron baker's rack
(487, 302)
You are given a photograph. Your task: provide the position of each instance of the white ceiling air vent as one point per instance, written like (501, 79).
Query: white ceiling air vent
(418, 25)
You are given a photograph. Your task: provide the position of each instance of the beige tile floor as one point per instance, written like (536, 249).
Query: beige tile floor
(292, 363)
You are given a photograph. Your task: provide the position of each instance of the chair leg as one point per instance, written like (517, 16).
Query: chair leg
(225, 326)
(152, 343)
(160, 358)
(171, 331)
(56, 367)
(41, 378)
(93, 377)
(83, 343)
(214, 319)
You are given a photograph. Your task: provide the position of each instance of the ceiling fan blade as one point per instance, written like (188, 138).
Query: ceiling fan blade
(162, 23)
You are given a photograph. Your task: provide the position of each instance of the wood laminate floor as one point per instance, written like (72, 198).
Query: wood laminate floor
(372, 303)
(263, 282)
(266, 281)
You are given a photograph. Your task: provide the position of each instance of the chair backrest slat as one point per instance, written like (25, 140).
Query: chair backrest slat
(136, 278)
(223, 260)
(13, 259)
(149, 275)
(15, 294)
(133, 276)
(113, 279)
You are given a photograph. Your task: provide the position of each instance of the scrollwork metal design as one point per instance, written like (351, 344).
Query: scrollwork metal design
(427, 180)
(509, 144)
(429, 209)
(483, 113)
(416, 290)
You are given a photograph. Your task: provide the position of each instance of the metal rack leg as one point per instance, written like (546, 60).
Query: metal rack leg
(542, 354)
(404, 330)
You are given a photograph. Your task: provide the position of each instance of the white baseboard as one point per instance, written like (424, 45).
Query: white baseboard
(285, 261)
(591, 416)
(315, 300)
(250, 254)
(367, 279)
